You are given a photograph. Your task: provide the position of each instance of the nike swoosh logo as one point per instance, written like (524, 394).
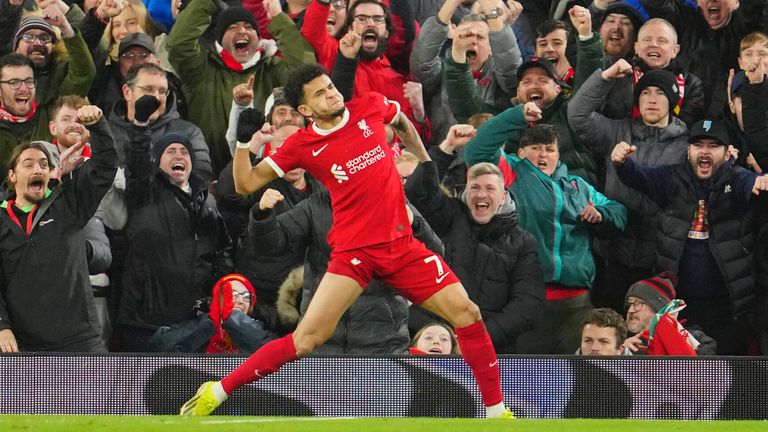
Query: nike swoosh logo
(317, 152)
(440, 279)
(493, 364)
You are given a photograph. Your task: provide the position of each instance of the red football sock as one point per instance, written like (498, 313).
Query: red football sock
(264, 361)
(478, 352)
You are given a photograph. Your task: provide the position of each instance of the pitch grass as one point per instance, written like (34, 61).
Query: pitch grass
(64, 423)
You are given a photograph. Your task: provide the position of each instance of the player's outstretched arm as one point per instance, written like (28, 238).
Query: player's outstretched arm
(248, 178)
(409, 136)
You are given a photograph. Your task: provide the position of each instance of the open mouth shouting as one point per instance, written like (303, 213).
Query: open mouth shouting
(370, 40)
(330, 25)
(704, 165)
(37, 185)
(242, 46)
(536, 96)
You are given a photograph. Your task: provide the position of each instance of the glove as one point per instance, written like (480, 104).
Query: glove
(144, 107)
(249, 123)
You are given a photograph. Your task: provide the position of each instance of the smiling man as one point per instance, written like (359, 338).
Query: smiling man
(562, 212)
(705, 230)
(177, 244)
(210, 76)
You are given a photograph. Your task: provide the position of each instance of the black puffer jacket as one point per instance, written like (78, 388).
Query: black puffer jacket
(178, 245)
(497, 262)
(730, 215)
(377, 322)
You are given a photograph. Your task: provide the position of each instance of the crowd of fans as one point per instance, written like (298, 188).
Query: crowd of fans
(596, 178)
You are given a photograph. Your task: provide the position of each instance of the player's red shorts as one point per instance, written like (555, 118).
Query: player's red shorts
(406, 264)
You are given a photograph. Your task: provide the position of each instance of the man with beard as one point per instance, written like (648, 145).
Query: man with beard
(619, 23)
(43, 250)
(20, 117)
(372, 22)
(62, 67)
(210, 76)
(561, 210)
(537, 83)
(486, 49)
(709, 37)
(706, 231)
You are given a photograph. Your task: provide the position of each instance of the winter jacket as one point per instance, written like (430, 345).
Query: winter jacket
(549, 207)
(177, 243)
(754, 109)
(709, 54)
(495, 83)
(619, 102)
(377, 323)
(730, 213)
(635, 246)
(496, 262)
(209, 81)
(266, 273)
(45, 293)
(169, 122)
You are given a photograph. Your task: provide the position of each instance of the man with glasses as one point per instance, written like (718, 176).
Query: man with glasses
(151, 79)
(652, 312)
(373, 25)
(20, 118)
(67, 71)
(134, 49)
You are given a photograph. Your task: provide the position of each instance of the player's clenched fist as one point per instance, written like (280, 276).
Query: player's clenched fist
(270, 199)
(621, 152)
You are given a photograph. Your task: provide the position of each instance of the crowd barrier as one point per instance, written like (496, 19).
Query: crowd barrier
(534, 386)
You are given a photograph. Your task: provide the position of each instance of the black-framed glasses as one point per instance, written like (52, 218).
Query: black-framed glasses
(339, 4)
(44, 38)
(636, 305)
(141, 55)
(244, 296)
(15, 83)
(149, 89)
(377, 19)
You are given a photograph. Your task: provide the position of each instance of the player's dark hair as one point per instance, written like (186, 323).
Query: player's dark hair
(293, 90)
(539, 134)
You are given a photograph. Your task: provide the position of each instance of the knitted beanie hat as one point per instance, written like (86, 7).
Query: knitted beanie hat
(656, 291)
(662, 79)
(229, 16)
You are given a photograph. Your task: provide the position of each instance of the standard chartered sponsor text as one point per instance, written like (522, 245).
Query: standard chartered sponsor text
(365, 160)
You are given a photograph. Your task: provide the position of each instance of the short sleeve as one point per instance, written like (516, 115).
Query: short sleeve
(286, 157)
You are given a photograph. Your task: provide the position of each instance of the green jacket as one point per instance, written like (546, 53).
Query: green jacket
(549, 207)
(209, 82)
(73, 76)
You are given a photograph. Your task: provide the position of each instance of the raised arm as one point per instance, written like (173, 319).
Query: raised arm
(249, 178)
(185, 53)
(409, 136)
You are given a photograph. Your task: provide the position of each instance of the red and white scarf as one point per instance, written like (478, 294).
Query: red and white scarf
(11, 118)
(232, 63)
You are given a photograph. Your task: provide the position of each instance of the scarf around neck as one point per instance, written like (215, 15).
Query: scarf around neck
(11, 118)
(232, 63)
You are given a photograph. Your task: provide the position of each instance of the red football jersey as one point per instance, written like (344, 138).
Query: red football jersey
(355, 164)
